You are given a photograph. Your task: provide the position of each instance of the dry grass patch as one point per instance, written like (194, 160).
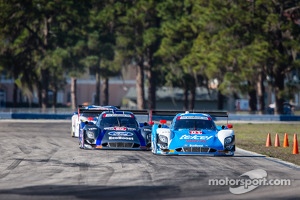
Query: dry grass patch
(253, 137)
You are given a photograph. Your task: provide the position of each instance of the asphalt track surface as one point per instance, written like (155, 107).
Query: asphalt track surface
(40, 160)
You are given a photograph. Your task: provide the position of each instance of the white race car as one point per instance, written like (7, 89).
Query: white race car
(74, 120)
(86, 114)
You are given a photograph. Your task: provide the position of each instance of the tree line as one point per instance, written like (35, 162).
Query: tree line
(242, 45)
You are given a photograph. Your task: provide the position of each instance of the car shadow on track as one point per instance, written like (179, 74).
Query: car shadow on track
(90, 192)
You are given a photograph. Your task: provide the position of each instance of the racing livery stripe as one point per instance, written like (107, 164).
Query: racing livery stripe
(100, 137)
(141, 138)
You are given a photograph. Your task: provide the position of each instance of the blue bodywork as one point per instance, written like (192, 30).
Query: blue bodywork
(91, 114)
(115, 130)
(192, 134)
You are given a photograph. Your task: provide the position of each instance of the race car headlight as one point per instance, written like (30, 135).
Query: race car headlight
(90, 134)
(163, 139)
(228, 140)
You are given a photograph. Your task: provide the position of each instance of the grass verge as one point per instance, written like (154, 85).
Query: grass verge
(253, 137)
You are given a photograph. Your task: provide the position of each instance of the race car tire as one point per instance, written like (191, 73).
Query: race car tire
(154, 148)
(81, 145)
(72, 133)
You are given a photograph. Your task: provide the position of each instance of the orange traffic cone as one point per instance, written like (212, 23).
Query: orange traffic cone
(286, 140)
(268, 142)
(277, 143)
(295, 145)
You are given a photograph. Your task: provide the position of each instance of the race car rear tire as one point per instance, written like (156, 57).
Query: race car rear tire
(80, 145)
(72, 133)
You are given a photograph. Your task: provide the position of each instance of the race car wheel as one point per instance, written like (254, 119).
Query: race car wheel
(153, 148)
(231, 154)
(81, 145)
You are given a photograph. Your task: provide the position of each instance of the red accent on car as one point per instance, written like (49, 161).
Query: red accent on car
(229, 126)
(120, 128)
(178, 118)
(195, 132)
(163, 121)
(104, 115)
(209, 118)
(90, 118)
(151, 123)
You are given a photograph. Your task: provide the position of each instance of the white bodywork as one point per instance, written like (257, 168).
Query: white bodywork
(74, 120)
(222, 134)
(77, 124)
(165, 132)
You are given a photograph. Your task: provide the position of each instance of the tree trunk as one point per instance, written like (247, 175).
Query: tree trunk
(252, 98)
(193, 94)
(261, 93)
(186, 96)
(97, 100)
(105, 88)
(45, 72)
(54, 100)
(15, 95)
(151, 85)
(44, 91)
(220, 101)
(39, 87)
(140, 92)
(279, 75)
(279, 91)
(73, 93)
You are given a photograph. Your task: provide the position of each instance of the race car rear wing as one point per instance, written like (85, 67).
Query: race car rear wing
(93, 109)
(156, 115)
(174, 112)
(141, 115)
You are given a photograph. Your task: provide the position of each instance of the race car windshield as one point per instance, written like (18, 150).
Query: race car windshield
(119, 121)
(194, 124)
(90, 114)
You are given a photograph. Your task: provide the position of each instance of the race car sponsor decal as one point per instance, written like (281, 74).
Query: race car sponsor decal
(195, 132)
(120, 133)
(193, 117)
(196, 141)
(195, 137)
(90, 129)
(120, 138)
(130, 129)
(120, 128)
(117, 115)
(99, 108)
(147, 129)
(195, 145)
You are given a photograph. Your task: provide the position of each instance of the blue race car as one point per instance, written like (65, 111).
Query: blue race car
(192, 134)
(116, 129)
